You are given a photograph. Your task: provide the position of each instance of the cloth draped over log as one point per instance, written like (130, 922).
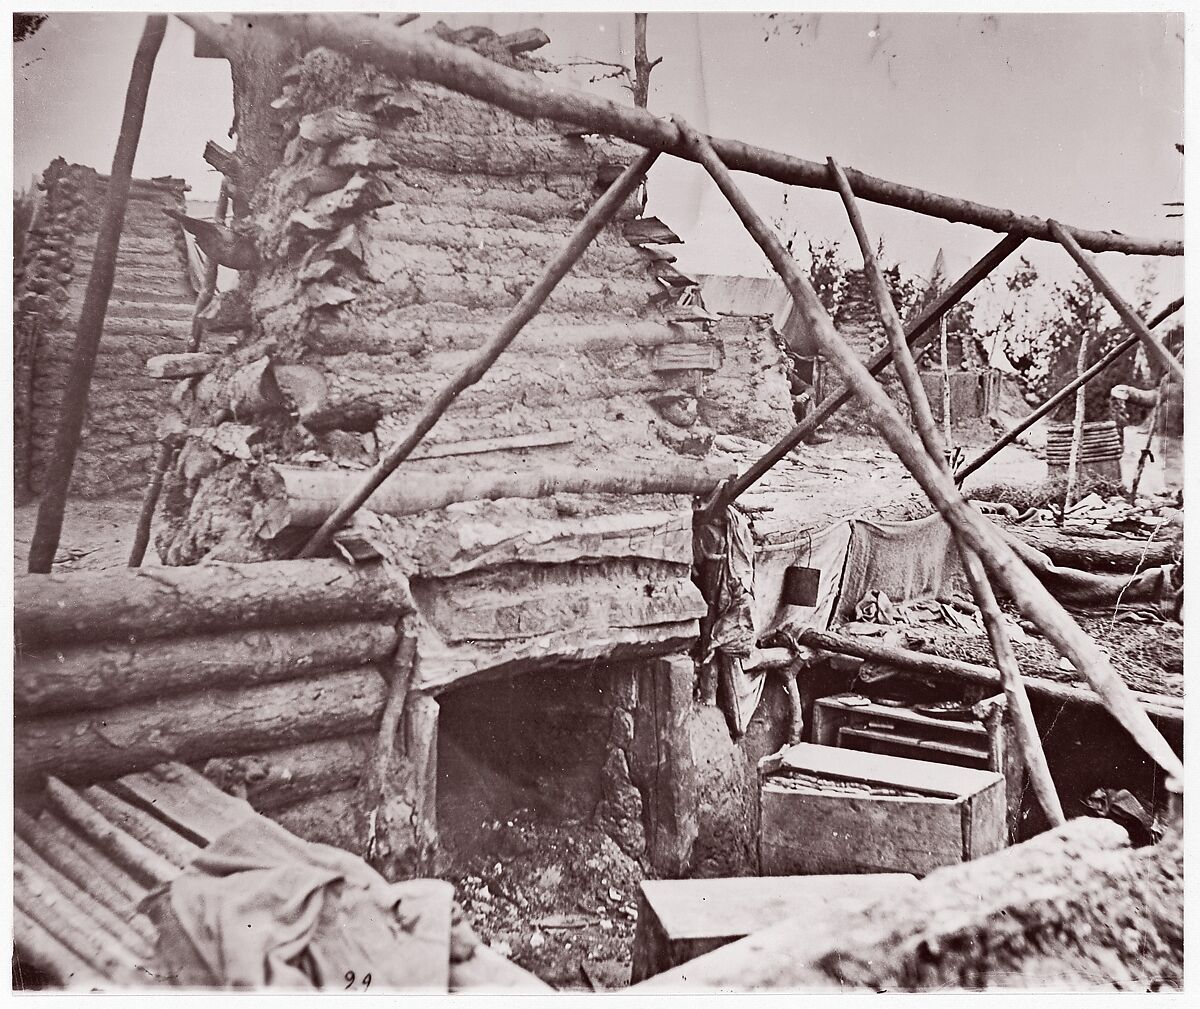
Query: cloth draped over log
(259, 907)
(907, 561)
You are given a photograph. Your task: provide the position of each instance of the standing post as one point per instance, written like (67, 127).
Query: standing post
(1152, 343)
(1006, 660)
(1030, 595)
(48, 530)
(531, 301)
(1077, 426)
(947, 430)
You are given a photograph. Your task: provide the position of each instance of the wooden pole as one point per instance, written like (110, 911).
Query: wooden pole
(48, 530)
(594, 221)
(947, 429)
(1013, 433)
(1077, 425)
(1022, 585)
(906, 368)
(421, 55)
(1068, 239)
(830, 405)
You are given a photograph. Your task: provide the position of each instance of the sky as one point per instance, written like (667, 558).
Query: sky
(1073, 116)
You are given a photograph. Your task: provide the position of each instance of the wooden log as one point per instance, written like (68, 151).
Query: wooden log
(139, 824)
(593, 222)
(176, 366)
(969, 672)
(972, 529)
(294, 497)
(49, 679)
(225, 162)
(280, 777)
(103, 880)
(185, 800)
(90, 606)
(423, 56)
(80, 897)
(45, 951)
(90, 329)
(1091, 553)
(248, 392)
(147, 866)
(1154, 346)
(92, 746)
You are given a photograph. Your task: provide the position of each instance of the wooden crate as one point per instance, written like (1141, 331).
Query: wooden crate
(681, 919)
(830, 810)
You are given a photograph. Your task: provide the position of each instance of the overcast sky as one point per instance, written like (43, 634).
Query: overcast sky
(1067, 115)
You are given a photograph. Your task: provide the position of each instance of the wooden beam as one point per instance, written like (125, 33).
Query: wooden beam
(1011, 435)
(1031, 597)
(48, 528)
(1152, 343)
(423, 56)
(594, 221)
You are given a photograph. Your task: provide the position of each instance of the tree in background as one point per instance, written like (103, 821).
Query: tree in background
(636, 78)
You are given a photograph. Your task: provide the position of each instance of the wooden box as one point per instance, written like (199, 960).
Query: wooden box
(681, 919)
(829, 810)
(903, 732)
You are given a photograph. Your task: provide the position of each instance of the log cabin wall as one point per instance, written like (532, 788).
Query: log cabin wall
(268, 678)
(400, 225)
(149, 313)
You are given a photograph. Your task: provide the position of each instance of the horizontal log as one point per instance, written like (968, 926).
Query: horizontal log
(180, 365)
(507, 443)
(112, 605)
(273, 779)
(423, 56)
(1090, 553)
(304, 498)
(107, 673)
(936, 665)
(97, 745)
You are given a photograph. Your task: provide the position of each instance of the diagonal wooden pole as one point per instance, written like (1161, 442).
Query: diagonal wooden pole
(1152, 343)
(593, 223)
(48, 529)
(1014, 432)
(981, 587)
(915, 334)
(1033, 599)
(424, 56)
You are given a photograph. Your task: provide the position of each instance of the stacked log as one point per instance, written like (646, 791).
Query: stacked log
(270, 677)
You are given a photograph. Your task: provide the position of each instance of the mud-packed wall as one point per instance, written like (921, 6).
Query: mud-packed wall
(149, 313)
(400, 227)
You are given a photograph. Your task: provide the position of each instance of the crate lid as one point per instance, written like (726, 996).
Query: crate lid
(925, 776)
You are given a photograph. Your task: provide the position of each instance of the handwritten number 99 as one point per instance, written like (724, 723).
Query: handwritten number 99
(349, 977)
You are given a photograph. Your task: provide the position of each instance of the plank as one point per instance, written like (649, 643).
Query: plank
(478, 446)
(686, 357)
(737, 906)
(924, 776)
(184, 800)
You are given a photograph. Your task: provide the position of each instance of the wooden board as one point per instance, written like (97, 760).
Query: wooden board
(804, 833)
(680, 919)
(686, 357)
(898, 772)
